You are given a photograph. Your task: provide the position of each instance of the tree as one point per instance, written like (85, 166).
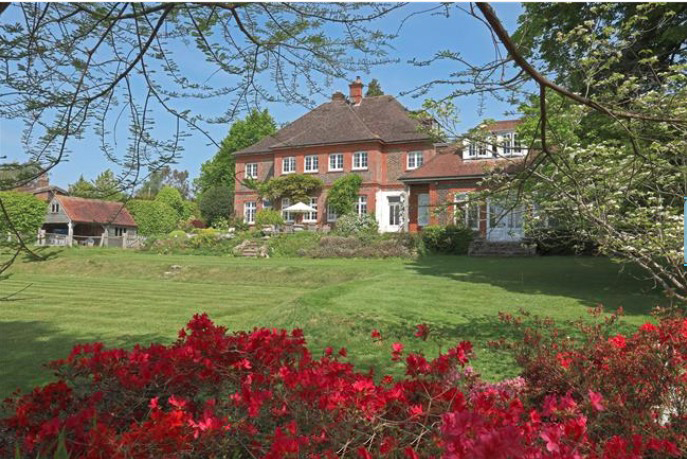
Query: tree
(216, 203)
(105, 186)
(25, 215)
(153, 217)
(374, 89)
(221, 169)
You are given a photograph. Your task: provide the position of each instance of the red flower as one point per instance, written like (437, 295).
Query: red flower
(376, 334)
(648, 327)
(397, 350)
(618, 341)
(343, 352)
(422, 331)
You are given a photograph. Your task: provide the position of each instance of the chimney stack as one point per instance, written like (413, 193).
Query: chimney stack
(356, 91)
(338, 97)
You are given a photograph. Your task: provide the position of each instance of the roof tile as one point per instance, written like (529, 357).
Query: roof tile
(83, 210)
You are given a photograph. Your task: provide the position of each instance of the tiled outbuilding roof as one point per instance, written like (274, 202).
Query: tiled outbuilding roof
(81, 210)
(377, 118)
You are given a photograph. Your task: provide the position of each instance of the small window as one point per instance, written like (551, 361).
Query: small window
(288, 216)
(361, 206)
(252, 170)
(331, 214)
(336, 162)
(249, 212)
(311, 216)
(54, 208)
(119, 231)
(289, 165)
(415, 159)
(266, 204)
(360, 160)
(312, 163)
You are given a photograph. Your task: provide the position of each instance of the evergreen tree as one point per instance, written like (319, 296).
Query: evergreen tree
(374, 89)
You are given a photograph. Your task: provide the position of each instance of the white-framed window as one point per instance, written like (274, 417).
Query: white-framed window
(312, 163)
(249, 212)
(252, 170)
(331, 214)
(119, 231)
(394, 210)
(468, 213)
(478, 149)
(266, 204)
(54, 208)
(361, 206)
(288, 216)
(336, 162)
(311, 216)
(359, 160)
(415, 160)
(423, 209)
(288, 165)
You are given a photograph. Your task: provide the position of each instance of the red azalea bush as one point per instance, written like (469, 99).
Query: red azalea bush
(636, 383)
(263, 394)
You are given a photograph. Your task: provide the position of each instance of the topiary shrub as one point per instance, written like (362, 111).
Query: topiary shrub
(216, 203)
(450, 239)
(26, 214)
(153, 217)
(356, 225)
(268, 217)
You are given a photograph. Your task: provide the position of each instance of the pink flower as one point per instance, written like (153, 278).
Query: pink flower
(422, 331)
(397, 350)
(595, 399)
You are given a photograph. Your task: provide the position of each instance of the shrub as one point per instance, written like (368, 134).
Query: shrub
(215, 203)
(293, 245)
(640, 379)
(451, 239)
(177, 234)
(557, 241)
(354, 225)
(297, 187)
(153, 217)
(171, 196)
(343, 193)
(349, 247)
(26, 214)
(268, 217)
(190, 210)
(263, 394)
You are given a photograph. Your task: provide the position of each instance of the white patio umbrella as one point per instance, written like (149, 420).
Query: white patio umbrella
(299, 208)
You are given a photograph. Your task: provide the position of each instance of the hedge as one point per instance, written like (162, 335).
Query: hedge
(153, 217)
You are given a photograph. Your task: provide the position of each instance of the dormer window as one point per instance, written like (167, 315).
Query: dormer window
(511, 144)
(478, 149)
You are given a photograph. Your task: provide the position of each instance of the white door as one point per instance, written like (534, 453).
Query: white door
(423, 209)
(504, 223)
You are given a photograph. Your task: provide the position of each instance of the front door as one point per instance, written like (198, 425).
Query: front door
(504, 222)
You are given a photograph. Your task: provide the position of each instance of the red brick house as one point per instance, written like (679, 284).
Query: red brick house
(377, 138)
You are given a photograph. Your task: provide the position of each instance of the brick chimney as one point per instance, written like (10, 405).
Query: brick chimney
(338, 97)
(356, 91)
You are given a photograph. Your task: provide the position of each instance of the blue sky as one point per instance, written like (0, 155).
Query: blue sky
(420, 38)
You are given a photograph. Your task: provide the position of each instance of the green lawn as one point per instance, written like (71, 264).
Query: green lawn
(122, 298)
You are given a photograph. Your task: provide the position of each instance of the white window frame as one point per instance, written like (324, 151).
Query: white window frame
(249, 210)
(290, 160)
(252, 170)
(412, 162)
(339, 164)
(55, 208)
(459, 198)
(392, 215)
(312, 163)
(361, 204)
(119, 231)
(331, 215)
(288, 216)
(311, 217)
(360, 157)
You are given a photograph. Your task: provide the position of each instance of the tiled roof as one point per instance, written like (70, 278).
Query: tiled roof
(82, 210)
(380, 118)
(452, 165)
(505, 125)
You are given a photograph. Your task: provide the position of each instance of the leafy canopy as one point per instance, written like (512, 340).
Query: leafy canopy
(297, 187)
(343, 194)
(216, 203)
(105, 186)
(26, 214)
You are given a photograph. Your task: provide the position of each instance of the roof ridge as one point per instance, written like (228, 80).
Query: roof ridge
(359, 118)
